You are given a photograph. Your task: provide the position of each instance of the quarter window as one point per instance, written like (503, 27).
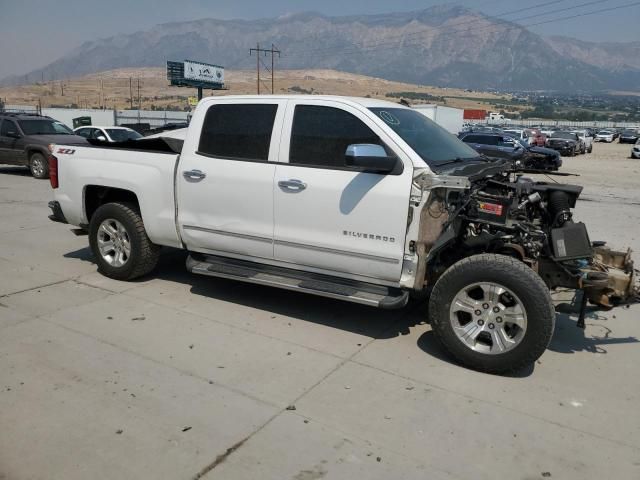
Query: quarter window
(321, 135)
(240, 132)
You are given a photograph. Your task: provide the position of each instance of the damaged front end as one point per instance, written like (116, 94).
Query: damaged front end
(502, 211)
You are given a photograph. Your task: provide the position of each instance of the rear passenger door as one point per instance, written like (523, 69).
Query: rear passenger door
(225, 179)
(331, 217)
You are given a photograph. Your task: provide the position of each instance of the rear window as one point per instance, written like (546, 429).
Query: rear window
(238, 131)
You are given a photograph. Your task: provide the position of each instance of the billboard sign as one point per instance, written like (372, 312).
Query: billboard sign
(195, 74)
(203, 72)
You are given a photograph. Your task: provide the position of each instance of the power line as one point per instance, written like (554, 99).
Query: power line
(505, 26)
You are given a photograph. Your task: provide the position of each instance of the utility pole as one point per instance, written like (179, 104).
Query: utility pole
(131, 92)
(259, 51)
(139, 98)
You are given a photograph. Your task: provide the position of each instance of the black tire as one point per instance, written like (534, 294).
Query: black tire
(590, 150)
(38, 165)
(513, 275)
(144, 254)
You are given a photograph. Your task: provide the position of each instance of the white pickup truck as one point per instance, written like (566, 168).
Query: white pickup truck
(349, 198)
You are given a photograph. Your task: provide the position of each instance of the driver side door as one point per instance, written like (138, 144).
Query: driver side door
(330, 217)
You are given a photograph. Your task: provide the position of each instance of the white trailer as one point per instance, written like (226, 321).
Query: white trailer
(449, 118)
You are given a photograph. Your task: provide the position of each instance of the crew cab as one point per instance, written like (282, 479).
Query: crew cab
(349, 198)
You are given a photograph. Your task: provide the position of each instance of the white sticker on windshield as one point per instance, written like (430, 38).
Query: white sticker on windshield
(389, 118)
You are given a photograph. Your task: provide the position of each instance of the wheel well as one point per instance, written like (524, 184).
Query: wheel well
(97, 195)
(31, 151)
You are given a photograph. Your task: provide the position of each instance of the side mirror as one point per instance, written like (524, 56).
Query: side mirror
(370, 157)
(102, 138)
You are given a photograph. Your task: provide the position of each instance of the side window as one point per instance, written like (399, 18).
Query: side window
(7, 126)
(472, 139)
(321, 135)
(84, 132)
(484, 140)
(506, 142)
(95, 133)
(238, 131)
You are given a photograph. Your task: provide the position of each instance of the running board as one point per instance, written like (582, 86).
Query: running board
(322, 285)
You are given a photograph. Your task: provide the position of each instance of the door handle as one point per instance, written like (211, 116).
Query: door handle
(194, 174)
(292, 186)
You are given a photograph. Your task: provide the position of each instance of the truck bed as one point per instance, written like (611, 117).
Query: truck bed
(144, 167)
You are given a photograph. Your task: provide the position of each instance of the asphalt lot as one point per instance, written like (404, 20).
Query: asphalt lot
(179, 376)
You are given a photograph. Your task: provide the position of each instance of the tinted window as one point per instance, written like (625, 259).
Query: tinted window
(7, 126)
(238, 131)
(321, 135)
(483, 139)
(44, 127)
(565, 135)
(121, 135)
(84, 132)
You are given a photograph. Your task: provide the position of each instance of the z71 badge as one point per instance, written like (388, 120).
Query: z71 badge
(66, 151)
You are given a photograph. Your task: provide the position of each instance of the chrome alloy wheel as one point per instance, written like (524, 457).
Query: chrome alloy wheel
(114, 242)
(488, 318)
(37, 166)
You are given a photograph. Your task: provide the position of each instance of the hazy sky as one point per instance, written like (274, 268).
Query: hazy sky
(33, 33)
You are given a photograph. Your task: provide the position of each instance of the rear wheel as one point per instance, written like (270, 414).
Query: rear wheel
(38, 166)
(492, 313)
(120, 243)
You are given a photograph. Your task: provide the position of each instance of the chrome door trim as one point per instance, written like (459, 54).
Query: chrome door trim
(228, 234)
(294, 245)
(338, 252)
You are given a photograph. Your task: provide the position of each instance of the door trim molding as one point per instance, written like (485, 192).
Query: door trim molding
(284, 243)
(337, 252)
(228, 234)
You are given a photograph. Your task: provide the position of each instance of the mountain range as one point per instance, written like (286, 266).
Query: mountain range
(443, 45)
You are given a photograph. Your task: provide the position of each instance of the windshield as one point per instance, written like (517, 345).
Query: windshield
(122, 135)
(604, 132)
(44, 127)
(433, 143)
(565, 135)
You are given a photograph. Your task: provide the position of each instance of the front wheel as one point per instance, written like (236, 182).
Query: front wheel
(120, 243)
(492, 313)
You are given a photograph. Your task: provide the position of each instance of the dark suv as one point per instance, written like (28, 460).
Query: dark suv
(27, 139)
(496, 145)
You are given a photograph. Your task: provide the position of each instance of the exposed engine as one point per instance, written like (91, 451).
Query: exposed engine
(512, 214)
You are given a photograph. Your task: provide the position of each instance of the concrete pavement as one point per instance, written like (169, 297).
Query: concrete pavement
(177, 376)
